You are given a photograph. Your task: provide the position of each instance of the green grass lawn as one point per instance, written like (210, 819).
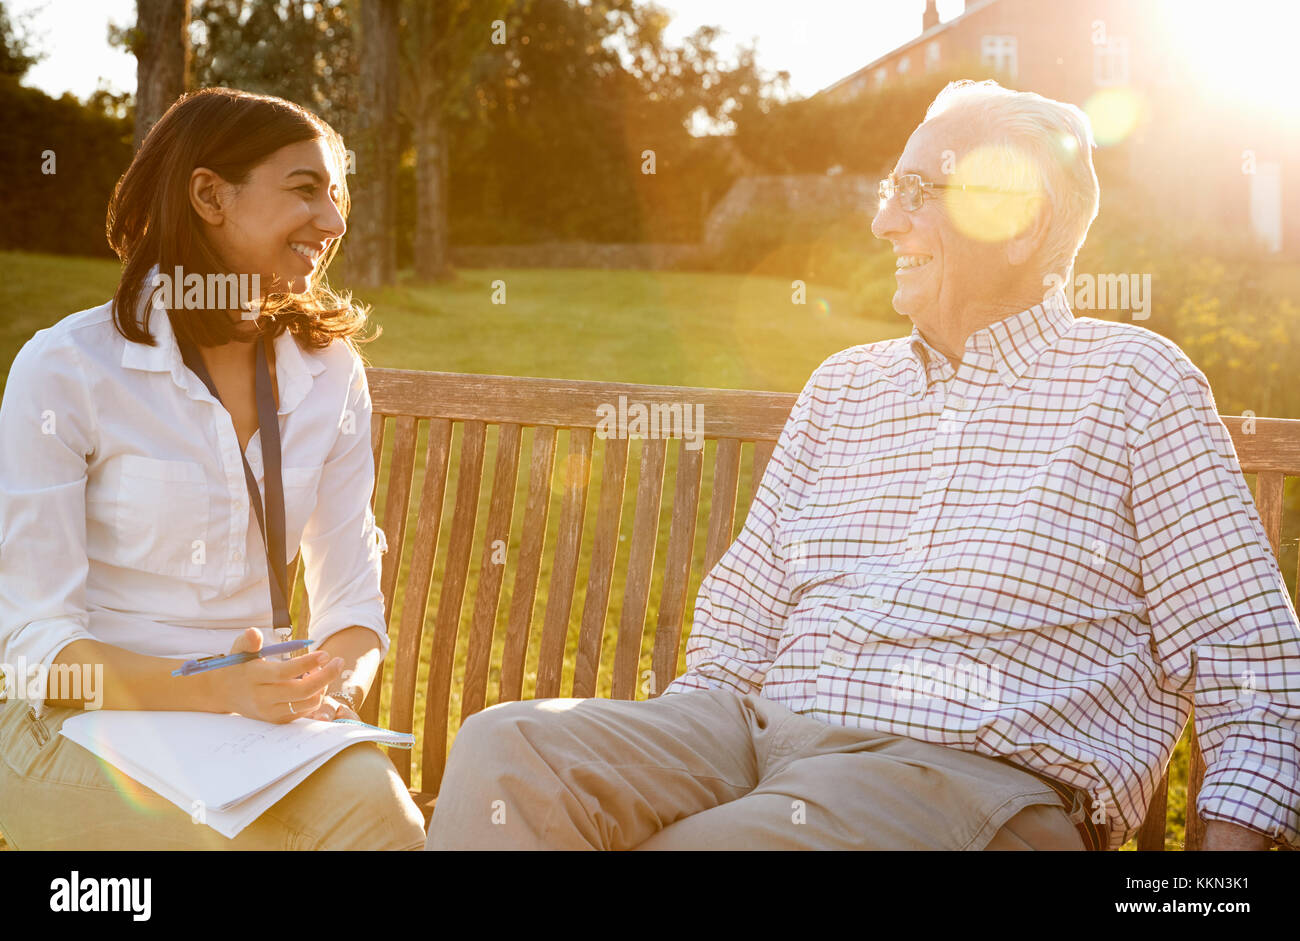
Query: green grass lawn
(672, 328)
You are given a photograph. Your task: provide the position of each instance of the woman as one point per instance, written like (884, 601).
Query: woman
(133, 492)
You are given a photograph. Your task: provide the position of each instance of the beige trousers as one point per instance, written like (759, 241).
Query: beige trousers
(717, 770)
(60, 796)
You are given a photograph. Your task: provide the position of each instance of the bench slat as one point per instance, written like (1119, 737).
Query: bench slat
(530, 560)
(677, 567)
(397, 497)
(1194, 834)
(1273, 445)
(415, 596)
(377, 423)
(569, 403)
(600, 575)
(437, 698)
(564, 564)
(370, 708)
(722, 510)
(478, 655)
(1268, 502)
(762, 454)
(1151, 835)
(296, 598)
(640, 568)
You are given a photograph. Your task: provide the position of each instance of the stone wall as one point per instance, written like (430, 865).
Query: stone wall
(808, 192)
(651, 257)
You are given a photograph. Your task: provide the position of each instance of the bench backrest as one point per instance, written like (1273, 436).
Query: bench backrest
(549, 538)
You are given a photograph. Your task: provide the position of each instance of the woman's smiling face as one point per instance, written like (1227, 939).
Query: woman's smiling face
(281, 221)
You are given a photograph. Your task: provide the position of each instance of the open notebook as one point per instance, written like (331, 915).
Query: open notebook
(223, 770)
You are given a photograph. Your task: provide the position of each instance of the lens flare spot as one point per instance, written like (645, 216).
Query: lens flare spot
(129, 789)
(822, 307)
(570, 468)
(1114, 113)
(993, 216)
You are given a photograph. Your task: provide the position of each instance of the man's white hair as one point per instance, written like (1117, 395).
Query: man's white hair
(1057, 139)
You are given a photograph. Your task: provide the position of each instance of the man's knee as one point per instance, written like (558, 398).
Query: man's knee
(492, 730)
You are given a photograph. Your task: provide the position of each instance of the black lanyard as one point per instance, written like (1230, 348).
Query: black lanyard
(271, 523)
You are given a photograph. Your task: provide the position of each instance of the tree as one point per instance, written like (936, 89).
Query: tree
(663, 91)
(372, 255)
(160, 42)
(540, 144)
(862, 134)
(302, 50)
(16, 53)
(444, 40)
(558, 125)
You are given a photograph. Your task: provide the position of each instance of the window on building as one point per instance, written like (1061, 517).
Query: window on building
(1000, 53)
(882, 76)
(903, 65)
(932, 55)
(1110, 62)
(1266, 205)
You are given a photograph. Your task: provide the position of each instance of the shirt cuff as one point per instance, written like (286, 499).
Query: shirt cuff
(340, 619)
(38, 643)
(1256, 795)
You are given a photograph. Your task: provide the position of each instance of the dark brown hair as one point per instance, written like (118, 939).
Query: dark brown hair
(151, 221)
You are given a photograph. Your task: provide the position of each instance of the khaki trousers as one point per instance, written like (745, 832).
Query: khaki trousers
(718, 770)
(60, 796)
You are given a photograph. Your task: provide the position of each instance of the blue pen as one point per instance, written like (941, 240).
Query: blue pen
(229, 660)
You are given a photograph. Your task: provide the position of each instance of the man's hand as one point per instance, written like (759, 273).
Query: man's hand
(1221, 835)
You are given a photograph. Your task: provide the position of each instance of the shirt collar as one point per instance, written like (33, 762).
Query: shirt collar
(1015, 343)
(294, 372)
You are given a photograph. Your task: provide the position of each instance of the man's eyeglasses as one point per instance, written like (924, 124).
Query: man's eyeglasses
(912, 190)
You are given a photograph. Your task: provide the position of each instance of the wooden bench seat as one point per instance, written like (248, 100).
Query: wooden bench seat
(630, 555)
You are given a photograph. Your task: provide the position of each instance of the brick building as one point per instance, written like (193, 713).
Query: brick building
(1220, 161)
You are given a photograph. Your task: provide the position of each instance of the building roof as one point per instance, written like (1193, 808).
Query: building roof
(930, 33)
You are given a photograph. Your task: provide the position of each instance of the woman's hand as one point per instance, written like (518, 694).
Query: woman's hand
(275, 690)
(331, 709)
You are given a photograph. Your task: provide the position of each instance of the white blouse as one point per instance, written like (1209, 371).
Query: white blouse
(124, 513)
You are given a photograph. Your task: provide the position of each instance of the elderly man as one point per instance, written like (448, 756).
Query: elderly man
(988, 572)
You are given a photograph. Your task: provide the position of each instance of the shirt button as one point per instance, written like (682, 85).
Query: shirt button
(956, 402)
(237, 556)
(875, 602)
(837, 659)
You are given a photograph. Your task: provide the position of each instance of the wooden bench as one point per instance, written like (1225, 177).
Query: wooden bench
(546, 530)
